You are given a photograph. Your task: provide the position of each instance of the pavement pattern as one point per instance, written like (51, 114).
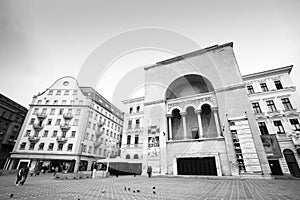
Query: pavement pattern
(137, 188)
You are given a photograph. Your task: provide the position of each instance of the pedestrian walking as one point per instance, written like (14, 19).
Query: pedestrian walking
(19, 176)
(24, 175)
(149, 171)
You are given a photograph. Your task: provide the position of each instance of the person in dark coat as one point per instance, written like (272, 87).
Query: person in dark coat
(149, 171)
(19, 176)
(24, 175)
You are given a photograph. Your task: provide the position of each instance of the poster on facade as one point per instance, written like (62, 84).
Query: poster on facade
(153, 142)
(271, 146)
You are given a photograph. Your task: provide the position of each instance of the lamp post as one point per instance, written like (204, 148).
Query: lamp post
(109, 149)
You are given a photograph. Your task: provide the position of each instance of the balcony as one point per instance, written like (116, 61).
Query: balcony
(68, 116)
(97, 144)
(65, 127)
(38, 127)
(41, 116)
(61, 139)
(33, 139)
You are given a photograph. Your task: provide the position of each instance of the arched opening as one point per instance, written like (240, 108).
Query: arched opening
(177, 128)
(291, 162)
(135, 156)
(208, 122)
(188, 85)
(191, 123)
(127, 156)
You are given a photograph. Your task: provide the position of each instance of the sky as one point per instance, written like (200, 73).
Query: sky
(42, 41)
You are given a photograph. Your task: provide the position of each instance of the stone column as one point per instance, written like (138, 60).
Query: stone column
(169, 116)
(183, 114)
(198, 112)
(215, 111)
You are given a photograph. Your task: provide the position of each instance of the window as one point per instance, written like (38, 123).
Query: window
(67, 92)
(64, 102)
(80, 102)
(100, 151)
(36, 110)
(54, 134)
(84, 148)
(22, 145)
(135, 156)
(278, 126)
(86, 136)
(111, 133)
(263, 128)
(128, 139)
(137, 123)
(271, 105)
(41, 146)
(104, 152)
(90, 149)
(130, 110)
(44, 111)
(264, 87)
(70, 147)
(129, 124)
(60, 147)
(92, 137)
(50, 147)
(89, 125)
(50, 92)
(57, 122)
(256, 108)
(75, 123)
(46, 133)
(31, 121)
(27, 133)
(250, 89)
(39, 102)
(31, 146)
(49, 121)
(136, 139)
(107, 132)
(295, 124)
(61, 111)
(127, 156)
(52, 111)
(55, 102)
(94, 126)
(47, 102)
(58, 92)
(74, 92)
(78, 112)
(72, 102)
(287, 104)
(278, 85)
(70, 111)
(73, 134)
(138, 109)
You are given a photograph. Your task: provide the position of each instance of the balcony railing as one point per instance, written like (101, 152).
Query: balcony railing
(33, 139)
(61, 139)
(41, 115)
(38, 127)
(65, 127)
(68, 115)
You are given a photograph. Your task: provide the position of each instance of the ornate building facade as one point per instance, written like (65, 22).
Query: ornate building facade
(69, 127)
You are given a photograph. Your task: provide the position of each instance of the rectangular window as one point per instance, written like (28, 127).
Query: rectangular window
(72, 102)
(67, 92)
(75, 122)
(250, 89)
(100, 151)
(50, 147)
(73, 134)
(90, 149)
(50, 92)
(49, 121)
(138, 109)
(31, 146)
(52, 111)
(278, 126)
(128, 139)
(36, 110)
(264, 87)
(80, 102)
(39, 102)
(60, 147)
(78, 112)
(61, 111)
(130, 110)
(136, 139)
(46, 133)
(64, 102)
(22, 145)
(256, 108)
(58, 92)
(271, 106)
(70, 147)
(27, 133)
(278, 85)
(263, 128)
(41, 146)
(54, 134)
(55, 102)
(57, 123)
(295, 124)
(89, 125)
(137, 123)
(74, 92)
(129, 124)
(47, 102)
(287, 104)
(31, 121)
(44, 111)
(84, 148)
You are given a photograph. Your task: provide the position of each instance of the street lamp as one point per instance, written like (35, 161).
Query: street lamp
(109, 149)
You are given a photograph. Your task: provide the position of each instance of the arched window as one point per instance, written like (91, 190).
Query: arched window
(135, 156)
(127, 156)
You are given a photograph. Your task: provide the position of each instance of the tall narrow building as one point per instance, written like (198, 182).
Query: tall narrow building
(69, 127)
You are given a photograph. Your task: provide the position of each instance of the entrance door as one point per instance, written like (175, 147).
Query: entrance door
(197, 166)
(291, 162)
(275, 167)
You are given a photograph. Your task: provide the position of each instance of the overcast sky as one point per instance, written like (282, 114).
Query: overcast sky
(41, 41)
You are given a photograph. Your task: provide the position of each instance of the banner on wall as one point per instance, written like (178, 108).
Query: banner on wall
(153, 142)
(271, 146)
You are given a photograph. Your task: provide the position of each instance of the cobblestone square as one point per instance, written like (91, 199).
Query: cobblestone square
(46, 187)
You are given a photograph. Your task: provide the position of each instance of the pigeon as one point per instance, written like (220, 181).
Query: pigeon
(11, 195)
(138, 191)
(154, 192)
(125, 188)
(153, 187)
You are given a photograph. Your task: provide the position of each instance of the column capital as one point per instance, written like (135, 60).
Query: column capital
(183, 113)
(198, 111)
(169, 115)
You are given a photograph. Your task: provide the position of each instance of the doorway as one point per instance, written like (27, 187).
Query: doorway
(275, 167)
(197, 166)
(291, 162)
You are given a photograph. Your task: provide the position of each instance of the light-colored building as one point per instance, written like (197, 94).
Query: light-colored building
(69, 127)
(132, 146)
(12, 116)
(275, 103)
